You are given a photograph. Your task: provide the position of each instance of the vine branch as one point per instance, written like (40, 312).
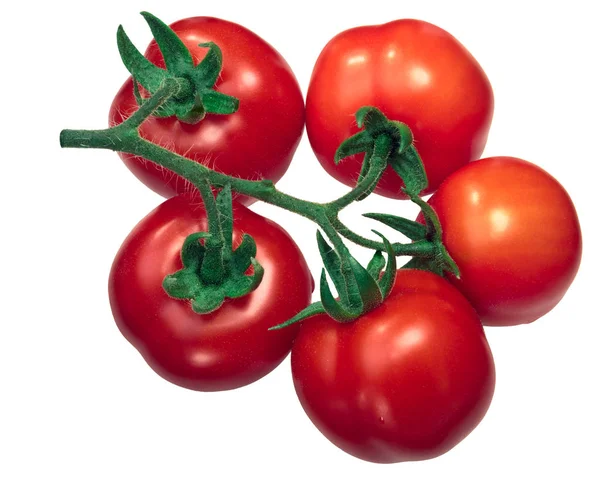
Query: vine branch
(125, 138)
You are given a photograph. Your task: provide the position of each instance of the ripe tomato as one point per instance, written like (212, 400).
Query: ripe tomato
(230, 347)
(514, 234)
(407, 381)
(258, 141)
(414, 72)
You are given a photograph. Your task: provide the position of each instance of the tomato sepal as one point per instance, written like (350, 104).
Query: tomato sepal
(311, 310)
(333, 265)
(212, 270)
(368, 288)
(424, 264)
(207, 295)
(342, 313)
(387, 279)
(440, 262)
(409, 167)
(178, 59)
(358, 290)
(400, 154)
(376, 265)
(411, 229)
(358, 143)
(196, 95)
(361, 291)
(374, 124)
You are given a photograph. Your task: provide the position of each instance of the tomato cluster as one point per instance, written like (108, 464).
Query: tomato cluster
(409, 378)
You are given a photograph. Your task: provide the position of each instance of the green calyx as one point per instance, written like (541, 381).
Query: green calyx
(429, 252)
(360, 289)
(438, 260)
(212, 271)
(196, 95)
(403, 157)
(427, 248)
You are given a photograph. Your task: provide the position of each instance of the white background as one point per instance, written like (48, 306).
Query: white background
(79, 401)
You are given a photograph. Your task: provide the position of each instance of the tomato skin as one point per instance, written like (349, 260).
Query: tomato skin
(407, 381)
(230, 347)
(514, 233)
(258, 141)
(414, 72)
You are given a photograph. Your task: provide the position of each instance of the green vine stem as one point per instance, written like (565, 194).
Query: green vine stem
(125, 138)
(213, 271)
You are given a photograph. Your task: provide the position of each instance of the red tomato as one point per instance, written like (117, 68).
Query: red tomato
(258, 141)
(230, 347)
(407, 381)
(514, 234)
(414, 72)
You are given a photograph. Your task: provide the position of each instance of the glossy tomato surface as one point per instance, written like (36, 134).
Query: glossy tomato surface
(258, 141)
(514, 233)
(414, 72)
(407, 381)
(230, 347)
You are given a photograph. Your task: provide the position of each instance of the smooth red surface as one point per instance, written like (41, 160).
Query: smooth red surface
(414, 72)
(514, 233)
(230, 347)
(407, 381)
(258, 141)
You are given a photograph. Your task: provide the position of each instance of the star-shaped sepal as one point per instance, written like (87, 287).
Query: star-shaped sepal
(197, 95)
(212, 270)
